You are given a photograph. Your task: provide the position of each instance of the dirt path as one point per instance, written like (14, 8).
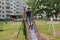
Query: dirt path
(45, 37)
(58, 34)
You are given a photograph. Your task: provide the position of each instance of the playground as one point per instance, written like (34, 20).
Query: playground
(15, 30)
(30, 20)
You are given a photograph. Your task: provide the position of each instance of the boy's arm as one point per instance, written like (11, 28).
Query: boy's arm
(31, 14)
(25, 16)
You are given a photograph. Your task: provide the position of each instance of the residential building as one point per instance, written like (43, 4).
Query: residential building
(11, 8)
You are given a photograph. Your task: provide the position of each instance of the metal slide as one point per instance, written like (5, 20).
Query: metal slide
(32, 32)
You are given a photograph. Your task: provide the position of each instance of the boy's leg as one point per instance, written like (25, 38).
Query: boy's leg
(28, 21)
(31, 24)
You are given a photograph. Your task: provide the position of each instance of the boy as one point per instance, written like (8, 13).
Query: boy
(29, 17)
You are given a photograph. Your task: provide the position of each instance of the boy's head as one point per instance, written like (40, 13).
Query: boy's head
(29, 9)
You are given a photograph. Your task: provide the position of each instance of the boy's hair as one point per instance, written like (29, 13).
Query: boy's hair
(28, 8)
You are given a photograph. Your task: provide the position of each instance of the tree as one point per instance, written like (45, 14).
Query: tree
(33, 5)
(38, 6)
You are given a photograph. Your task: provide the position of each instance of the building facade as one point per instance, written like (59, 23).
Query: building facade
(11, 8)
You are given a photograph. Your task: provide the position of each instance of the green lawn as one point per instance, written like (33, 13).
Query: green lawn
(11, 30)
(43, 29)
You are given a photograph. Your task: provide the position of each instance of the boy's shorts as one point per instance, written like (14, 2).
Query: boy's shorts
(29, 19)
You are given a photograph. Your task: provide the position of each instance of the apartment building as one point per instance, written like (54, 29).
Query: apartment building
(11, 8)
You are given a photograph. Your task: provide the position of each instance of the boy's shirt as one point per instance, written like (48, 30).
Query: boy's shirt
(28, 13)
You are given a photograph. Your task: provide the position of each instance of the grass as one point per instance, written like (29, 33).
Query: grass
(11, 30)
(43, 29)
(11, 25)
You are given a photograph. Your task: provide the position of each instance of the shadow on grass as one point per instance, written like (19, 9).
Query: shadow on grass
(24, 29)
(1, 30)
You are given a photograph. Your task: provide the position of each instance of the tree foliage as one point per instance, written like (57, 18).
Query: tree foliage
(33, 5)
(49, 5)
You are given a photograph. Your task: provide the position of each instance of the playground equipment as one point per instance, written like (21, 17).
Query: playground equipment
(52, 23)
(31, 34)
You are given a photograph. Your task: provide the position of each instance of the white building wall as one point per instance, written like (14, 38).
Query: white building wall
(16, 7)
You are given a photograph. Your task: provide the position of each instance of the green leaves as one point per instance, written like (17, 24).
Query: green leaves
(32, 3)
(51, 5)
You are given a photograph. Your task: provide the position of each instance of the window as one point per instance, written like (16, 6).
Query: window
(17, 5)
(2, 3)
(2, 15)
(17, 12)
(14, 3)
(2, 0)
(11, 4)
(0, 11)
(14, 10)
(23, 4)
(7, 0)
(11, 1)
(14, 6)
(17, 1)
(9, 11)
(11, 8)
(7, 7)
(2, 7)
(7, 3)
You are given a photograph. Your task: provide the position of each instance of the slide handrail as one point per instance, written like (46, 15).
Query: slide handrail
(39, 35)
